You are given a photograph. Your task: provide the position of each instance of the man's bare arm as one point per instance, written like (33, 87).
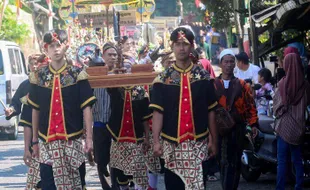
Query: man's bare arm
(212, 127)
(88, 118)
(35, 125)
(157, 125)
(146, 129)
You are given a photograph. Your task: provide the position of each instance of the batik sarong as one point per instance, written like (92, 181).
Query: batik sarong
(33, 175)
(152, 162)
(65, 157)
(129, 158)
(185, 160)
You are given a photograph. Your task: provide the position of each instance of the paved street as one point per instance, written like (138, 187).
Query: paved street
(13, 171)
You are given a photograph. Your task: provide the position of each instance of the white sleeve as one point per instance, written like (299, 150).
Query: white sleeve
(255, 71)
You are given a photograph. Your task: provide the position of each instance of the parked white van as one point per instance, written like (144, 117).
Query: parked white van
(13, 71)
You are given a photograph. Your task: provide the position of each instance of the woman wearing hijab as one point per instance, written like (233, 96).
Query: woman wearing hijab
(290, 102)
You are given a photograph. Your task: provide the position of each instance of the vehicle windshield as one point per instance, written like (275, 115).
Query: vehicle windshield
(1, 64)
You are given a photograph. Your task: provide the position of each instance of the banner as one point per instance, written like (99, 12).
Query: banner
(98, 20)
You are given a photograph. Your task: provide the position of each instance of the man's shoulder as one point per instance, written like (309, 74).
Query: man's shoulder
(164, 75)
(36, 76)
(199, 73)
(79, 73)
(255, 67)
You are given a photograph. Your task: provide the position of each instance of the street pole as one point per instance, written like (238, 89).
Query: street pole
(141, 16)
(108, 31)
(50, 15)
(2, 12)
(181, 8)
(254, 48)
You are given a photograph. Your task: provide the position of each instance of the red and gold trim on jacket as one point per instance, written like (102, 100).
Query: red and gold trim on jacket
(186, 125)
(127, 131)
(57, 125)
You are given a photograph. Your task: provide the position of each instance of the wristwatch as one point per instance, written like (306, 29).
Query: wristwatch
(34, 143)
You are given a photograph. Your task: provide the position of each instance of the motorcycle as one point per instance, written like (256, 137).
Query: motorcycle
(260, 154)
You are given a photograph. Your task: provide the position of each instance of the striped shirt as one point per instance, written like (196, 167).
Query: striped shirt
(102, 108)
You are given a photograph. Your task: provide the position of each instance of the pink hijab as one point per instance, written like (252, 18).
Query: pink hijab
(292, 87)
(290, 50)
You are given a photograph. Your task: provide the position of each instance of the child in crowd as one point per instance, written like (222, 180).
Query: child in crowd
(264, 93)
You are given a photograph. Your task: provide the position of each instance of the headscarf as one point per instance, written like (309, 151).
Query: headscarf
(300, 48)
(292, 87)
(289, 50)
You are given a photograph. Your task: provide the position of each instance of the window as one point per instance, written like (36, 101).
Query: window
(14, 66)
(24, 62)
(1, 64)
(18, 61)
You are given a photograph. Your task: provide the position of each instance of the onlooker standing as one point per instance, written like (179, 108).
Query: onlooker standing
(236, 97)
(290, 102)
(205, 62)
(246, 70)
(262, 101)
(101, 113)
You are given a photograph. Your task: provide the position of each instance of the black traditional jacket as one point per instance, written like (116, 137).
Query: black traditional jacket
(129, 109)
(184, 97)
(20, 105)
(60, 96)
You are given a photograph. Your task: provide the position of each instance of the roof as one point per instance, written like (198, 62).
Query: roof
(7, 43)
(290, 14)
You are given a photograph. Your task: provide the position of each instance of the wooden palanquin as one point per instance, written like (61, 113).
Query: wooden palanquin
(140, 75)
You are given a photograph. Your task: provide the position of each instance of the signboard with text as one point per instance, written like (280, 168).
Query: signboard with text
(159, 24)
(99, 19)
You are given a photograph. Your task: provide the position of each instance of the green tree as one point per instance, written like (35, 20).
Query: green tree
(221, 11)
(11, 29)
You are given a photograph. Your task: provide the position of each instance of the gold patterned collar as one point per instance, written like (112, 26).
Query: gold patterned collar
(182, 70)
(59, 71)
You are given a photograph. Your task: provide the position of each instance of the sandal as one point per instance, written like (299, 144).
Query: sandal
(212, 178)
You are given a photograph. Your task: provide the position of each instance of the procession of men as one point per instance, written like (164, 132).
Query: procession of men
(175, 127)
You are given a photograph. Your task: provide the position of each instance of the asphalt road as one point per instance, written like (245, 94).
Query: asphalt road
(13, 171)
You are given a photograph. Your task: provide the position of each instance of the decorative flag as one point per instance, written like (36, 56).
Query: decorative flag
(197, 2)
(18, 6)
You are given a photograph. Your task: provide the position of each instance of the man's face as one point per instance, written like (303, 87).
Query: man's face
(168, 63)
(128, 45)
(110, 57)
(56, 51)
(239, 64)
(182, 50)
(202, 55)
(228, 64)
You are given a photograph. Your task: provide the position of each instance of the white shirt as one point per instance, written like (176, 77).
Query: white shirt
(251, 73)
(226, 83)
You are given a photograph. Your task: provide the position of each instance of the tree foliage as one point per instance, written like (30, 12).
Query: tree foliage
(222, 12)
(11, 29)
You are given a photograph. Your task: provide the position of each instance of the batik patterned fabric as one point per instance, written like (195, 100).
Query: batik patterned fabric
(33, 175)
(185, 160)
(65, 157)
(128, 157)
(244, 108)
(152, 162)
